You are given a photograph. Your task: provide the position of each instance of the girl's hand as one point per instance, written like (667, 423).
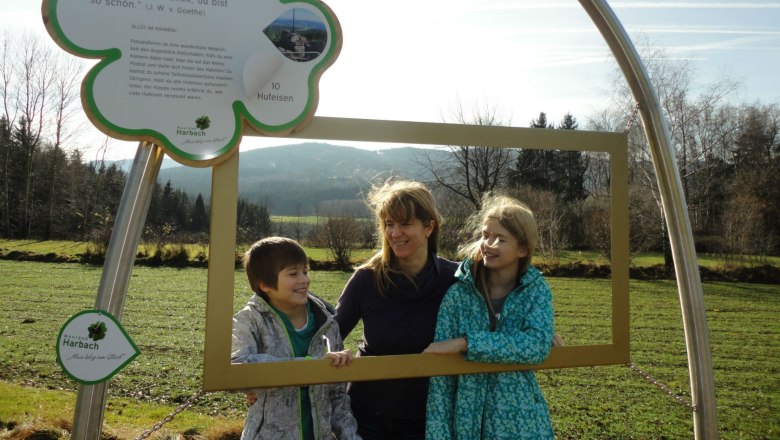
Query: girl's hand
(450, 346)
(339, 359)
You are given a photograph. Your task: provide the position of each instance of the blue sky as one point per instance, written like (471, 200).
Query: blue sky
(413, 60)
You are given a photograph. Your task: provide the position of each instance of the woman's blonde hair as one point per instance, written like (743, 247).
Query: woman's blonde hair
(399, 200)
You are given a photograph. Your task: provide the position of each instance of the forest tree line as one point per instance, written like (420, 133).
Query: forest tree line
(728, 157)
(63, 197)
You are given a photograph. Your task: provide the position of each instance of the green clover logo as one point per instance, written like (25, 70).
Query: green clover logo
(203, 122)
(97, 330)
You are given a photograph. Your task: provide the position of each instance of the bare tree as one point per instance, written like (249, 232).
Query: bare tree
(339, 237)
(455, 210)
(596, 214)
(38, 91)
(65, 96)
(687, 113)
(550, 219)
(475, 170)
(744, 231)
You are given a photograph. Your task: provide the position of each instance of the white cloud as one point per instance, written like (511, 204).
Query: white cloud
(707, 30)
(695, 5)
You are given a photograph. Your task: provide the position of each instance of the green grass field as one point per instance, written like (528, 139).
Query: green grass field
(165, 315)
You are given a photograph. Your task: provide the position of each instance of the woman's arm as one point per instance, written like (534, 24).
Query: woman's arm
(348, 306)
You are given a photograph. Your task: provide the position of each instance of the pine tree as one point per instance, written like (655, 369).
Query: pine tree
(533, 167)
(571, 167)
(199, 216)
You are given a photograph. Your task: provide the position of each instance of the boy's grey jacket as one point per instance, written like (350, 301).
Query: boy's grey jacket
(260, 336)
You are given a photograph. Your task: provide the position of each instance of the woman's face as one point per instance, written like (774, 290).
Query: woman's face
(408, 238)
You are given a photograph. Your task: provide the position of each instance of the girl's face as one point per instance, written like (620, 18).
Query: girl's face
(408, 238)
(499, 247)
(292, 285)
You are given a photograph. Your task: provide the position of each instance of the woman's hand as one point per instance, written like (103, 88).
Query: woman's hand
(339, 359)
(251, 398)
(450, 346)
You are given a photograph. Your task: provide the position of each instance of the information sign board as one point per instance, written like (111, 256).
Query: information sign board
(186, 74)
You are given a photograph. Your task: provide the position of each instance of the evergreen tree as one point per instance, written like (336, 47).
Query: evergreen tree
(199, 217)
(570, 167)
(561, 172)
(53, 194)
(5, 182)
(253, 221)
(167, 205)
(534, 167)
(23, 149)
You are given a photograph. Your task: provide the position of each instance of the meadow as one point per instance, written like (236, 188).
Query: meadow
(165, 315)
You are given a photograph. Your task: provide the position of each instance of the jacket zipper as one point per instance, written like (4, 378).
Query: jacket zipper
(317, 336)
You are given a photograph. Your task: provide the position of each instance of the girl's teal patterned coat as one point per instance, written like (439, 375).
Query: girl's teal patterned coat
(493, 405)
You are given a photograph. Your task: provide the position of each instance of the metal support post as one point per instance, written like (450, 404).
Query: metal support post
(705, 419)
(120, 256)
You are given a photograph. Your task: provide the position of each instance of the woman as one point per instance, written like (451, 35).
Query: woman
(397, 294)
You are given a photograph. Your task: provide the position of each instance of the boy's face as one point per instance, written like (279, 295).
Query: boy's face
(292, 285)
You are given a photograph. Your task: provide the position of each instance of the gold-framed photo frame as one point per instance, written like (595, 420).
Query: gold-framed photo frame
(220, 374)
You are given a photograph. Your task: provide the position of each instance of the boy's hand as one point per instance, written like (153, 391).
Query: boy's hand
(251, 398)
(450, 346)
(339, 359)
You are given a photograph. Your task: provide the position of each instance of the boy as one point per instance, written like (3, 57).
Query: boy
(281, 322)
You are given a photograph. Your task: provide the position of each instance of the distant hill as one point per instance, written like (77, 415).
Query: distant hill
(304, 178)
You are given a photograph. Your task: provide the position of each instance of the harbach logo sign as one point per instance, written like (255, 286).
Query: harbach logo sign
(93, 346)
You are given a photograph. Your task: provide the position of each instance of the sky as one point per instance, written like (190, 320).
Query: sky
(417, 60)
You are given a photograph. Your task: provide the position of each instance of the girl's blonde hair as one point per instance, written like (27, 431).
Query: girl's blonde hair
(515, 217)
(399, 200)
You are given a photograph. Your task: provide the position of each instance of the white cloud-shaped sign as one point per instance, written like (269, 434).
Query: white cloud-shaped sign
(187, 73)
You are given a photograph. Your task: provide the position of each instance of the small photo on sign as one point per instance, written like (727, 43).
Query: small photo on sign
(299, 34)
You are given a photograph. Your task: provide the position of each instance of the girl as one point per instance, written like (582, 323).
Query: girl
(500, 310)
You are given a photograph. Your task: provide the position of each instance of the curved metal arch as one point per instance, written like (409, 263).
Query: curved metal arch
(686, 267)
